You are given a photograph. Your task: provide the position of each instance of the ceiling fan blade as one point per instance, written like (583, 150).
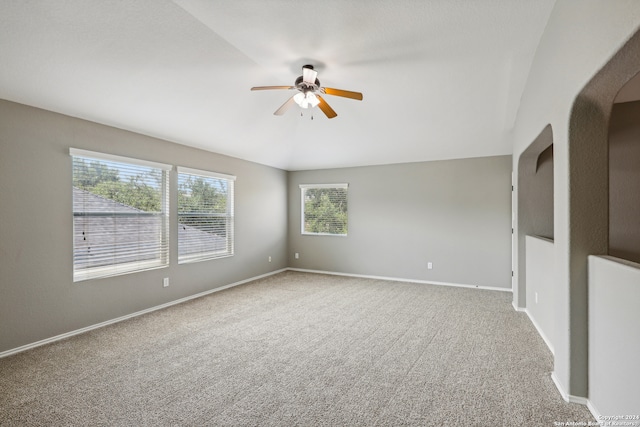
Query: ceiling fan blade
(284, 107)
(309, 75)
(326, 109)
(272, 87)
(343, 93)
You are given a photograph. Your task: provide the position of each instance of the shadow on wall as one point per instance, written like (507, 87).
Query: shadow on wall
(624, 181)
(535, 199)
(535, 184)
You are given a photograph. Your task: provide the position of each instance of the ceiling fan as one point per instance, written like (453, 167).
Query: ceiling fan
(309, 93)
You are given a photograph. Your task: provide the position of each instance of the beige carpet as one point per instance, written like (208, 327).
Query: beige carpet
(298, 349)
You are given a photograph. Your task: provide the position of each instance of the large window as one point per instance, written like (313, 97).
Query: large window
(324, 209)
(205, 215)
(120, 215)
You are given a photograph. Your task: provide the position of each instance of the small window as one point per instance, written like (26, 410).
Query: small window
(120, 215)
(205, 215)
(324, 209)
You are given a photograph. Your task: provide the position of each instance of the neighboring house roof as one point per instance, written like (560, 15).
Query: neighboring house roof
(84, 201)
(108, 224)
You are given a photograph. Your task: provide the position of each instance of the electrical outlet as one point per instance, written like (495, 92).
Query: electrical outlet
(429, 265)
(536, 297)
(269, 259)
(165, 282)
(297, 255)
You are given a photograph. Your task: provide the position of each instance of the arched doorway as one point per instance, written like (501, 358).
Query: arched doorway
(588, 232)
(536, 233)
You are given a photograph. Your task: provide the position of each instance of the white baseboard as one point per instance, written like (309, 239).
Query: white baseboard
(565, 396)
(516, 308)
(563, 393)
(578, 399)
(396, 279)
(535, 324)
(129, 316)
(575, 399)
(596, 414)
(546, 340)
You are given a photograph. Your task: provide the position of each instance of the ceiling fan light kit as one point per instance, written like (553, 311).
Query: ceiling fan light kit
(309, 93)
(307, 99)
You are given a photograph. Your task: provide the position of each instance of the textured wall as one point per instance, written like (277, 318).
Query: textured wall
(455, 214)
(38, 298)
(624, 181)
(573, 80)
(535, 202)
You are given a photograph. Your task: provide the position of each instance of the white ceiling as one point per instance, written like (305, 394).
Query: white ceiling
(441, 79)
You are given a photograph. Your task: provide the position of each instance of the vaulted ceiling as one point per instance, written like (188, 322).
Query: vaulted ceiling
(441, 79)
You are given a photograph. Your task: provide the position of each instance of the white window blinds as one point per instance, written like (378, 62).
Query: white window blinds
(205, 215)
(324, 209)
(120, 215)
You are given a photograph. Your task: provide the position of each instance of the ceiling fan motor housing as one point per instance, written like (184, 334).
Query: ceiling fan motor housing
(303, 86)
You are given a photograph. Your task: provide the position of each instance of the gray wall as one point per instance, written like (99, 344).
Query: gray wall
(614, 336)
(587, 52)
(535, 202)
(624, 181)
(541, 201)
(541, 283)
(455, 214)
(38, 298)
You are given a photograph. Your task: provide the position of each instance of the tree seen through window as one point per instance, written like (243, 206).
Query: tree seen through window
(325, 210)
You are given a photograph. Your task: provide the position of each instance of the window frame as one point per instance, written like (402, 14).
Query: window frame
(303, 188)
(121, 268)
(229, 215)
